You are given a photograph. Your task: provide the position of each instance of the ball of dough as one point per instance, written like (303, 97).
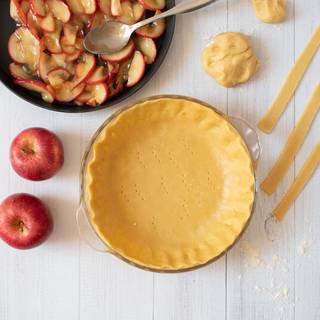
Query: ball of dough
(229, 59)
(270, 11)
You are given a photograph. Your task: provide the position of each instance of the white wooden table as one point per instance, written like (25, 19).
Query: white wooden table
(64, 279)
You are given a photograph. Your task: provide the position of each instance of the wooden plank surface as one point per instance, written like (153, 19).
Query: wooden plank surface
(258, 279)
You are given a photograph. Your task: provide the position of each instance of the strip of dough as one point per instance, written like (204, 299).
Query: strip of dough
(270, 119)
(309, 167)
(294, 142)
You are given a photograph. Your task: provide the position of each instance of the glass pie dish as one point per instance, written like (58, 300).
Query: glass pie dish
(168, 184)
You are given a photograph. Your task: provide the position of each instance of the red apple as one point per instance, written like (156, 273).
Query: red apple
(25, 222)
(36, 154)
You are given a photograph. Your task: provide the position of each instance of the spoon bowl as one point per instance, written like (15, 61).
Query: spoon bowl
(109, 38)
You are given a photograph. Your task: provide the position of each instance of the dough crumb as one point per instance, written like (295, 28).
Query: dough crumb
(270, 11)
(252, 254)
(229, 59)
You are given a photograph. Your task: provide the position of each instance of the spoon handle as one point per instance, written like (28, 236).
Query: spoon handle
(182, 7)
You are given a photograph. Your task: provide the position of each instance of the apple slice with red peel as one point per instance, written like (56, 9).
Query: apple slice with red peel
(136, 70)
(18, 72)
(127, 15)
(113, 69)
(70, 31)
(38, 7)
(75, 6)
(122, 55)
(138, 11)
(100, 74)
(16, 12)
(37, 86)
(24, 47)
(61, 60)
(97, 20)
(25, 6)
(46, 64)
(84, 68)
(105, 6)
(116, 9)
(48, 24)
(51, 40)
(59, 9)
(58, 76)
(94, 95)
(148, 47)
(153, 30)
(89, 6)
(153, 5)
(33, 23)
(74, 56)
(68, 92)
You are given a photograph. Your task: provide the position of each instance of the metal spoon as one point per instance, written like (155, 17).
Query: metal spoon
(113, 35)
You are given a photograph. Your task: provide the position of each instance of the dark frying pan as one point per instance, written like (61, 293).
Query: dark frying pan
(8, 26)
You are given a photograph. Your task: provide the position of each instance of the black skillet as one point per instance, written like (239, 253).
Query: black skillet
(8, 26)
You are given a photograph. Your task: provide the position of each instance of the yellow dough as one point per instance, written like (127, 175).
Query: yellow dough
(309, 167)
(270, 119)
(294, 142)
(170, 184)
(270, 11)
(229, 59)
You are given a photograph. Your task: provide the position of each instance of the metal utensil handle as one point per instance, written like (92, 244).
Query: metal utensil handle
(87, 234)
(250, 136)
(182, 7)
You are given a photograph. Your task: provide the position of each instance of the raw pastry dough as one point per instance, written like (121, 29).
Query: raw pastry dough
(293, 144)
(170, 184)
(270, 11)
(229, 59)
(270, 119)
(309, 167)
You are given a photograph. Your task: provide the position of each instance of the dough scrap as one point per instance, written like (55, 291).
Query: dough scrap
(270, 11)
(294, 142)
(229, 59)
(304, 175)
(272, 116)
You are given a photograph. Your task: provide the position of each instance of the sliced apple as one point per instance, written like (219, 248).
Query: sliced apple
(24, 47)
(100, 74)
(58, 76)
(94, 95)
(68, 92)
(123, 54)
(153, 4)
(59, 9)
(105, 6)
(37, 86)
(136, 70)
(33, 23)
(51, 40)
(84, 68)
(127, 15)
(75, 6)
(46, 64)
(25, 6)
(74, 56)
(148, 48)
(48, 23)
(17, 13)
(153, 30)
(114, 88)
(138, 11)
(70, 31)
(19, 72)
(89, 6)
(116, 9)
(113, 69)
(97, 20)
(38, 7)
